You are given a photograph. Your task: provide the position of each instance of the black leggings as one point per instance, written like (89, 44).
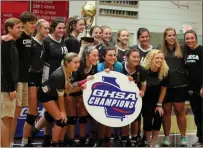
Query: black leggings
(196, 103)
(151, 120)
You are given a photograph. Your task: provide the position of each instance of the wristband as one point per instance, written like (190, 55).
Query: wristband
(159, 104)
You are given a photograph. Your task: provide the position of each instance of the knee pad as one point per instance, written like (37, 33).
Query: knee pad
(60, 123)
(31, 119)
(72, 120)
(48, 117)
(83, 119)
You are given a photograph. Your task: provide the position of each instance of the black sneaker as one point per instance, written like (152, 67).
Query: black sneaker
(144, 144)
(47, 141)
(55, 144)
(91, 142)
(136, 141)
(28, 145)
(197, 144)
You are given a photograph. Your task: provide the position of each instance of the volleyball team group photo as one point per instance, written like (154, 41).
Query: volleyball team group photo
(112, 92)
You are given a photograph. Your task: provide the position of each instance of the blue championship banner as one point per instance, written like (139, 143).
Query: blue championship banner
(111, 99)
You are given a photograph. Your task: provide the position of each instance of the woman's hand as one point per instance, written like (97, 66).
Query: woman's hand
(201, 92)
(90, 77)
(64, 117)
(130, 78)
(141, 93)
(160, 110)
(107, 70)
(83, 86)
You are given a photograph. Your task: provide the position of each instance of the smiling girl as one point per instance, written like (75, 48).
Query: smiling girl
(74, 102)
(111, 63)
(122, 44)
(35, 76)
(152, 110)
(75, 26)
(194, 63)
(177, 86)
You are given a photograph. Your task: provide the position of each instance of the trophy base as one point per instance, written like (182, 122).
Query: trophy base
(88, 39)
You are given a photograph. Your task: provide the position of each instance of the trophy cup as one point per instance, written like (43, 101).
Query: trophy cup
(88, 12)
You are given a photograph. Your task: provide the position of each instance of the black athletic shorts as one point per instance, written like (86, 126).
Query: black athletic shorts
(176, 95)
(35, 79)
(43, 97)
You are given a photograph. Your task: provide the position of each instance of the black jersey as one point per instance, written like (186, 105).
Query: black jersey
(54, 53)
(72, 44)
(154, 86)
(55, 85)
(9, 66)
(81, 75)
(139, 76)
(24, 45)
(37, 56)
(121, 54)
(143, 53)
(177, 75)
(194, 62)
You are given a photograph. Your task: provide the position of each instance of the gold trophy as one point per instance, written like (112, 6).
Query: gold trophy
(88, 12)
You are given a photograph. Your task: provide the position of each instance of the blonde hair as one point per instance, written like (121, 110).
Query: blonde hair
(119, 33)
(163, 71)
(178, 52)
(67, 59)
(39, 24)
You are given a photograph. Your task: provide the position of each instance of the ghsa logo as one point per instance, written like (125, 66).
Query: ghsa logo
(108, 95)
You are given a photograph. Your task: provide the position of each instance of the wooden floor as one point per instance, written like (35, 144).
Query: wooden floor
(175, 134)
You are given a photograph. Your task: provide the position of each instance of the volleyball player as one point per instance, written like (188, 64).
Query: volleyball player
(55, 50)
(74, 102)
(35, 77)
(131, 67)
(122, 44)
(111, 63)
(75, 26)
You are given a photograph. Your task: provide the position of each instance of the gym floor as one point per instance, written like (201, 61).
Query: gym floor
(175, 134)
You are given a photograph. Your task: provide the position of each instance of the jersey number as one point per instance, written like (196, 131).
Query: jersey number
(64, 50)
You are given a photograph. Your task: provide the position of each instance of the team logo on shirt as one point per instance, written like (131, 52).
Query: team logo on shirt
(112, 99)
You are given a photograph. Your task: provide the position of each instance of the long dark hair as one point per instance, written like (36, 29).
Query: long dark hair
(72, 21)
(54, 23)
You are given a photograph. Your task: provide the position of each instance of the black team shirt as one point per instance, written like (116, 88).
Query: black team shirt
(54, 53)
(55, 83)
(24, 44)
(37, 56)
(194, 63)
(72, 44)
(9, 66)
(81, 75)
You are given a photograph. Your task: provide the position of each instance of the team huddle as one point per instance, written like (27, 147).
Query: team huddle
(46, 63)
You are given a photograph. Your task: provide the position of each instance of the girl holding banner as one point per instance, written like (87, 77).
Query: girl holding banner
(111, 63)
(74, 102)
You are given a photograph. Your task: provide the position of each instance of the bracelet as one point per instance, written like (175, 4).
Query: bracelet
(159, 104)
